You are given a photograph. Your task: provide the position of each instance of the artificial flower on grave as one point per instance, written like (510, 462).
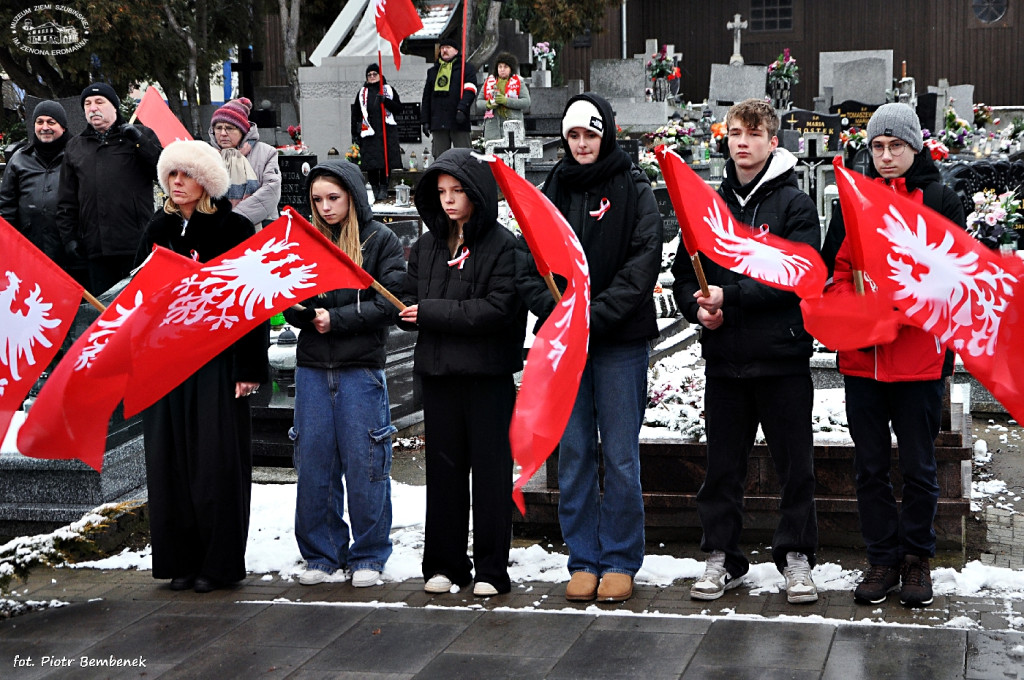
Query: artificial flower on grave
(718, 131)
(295, 132)
(957, 132)
(994, 216)
(854, 139)
(784, 69)
(649, 164)
(938, 150)
(544, 55)
(983, 116)
(676, 134)
(353, 154)
(660, 65)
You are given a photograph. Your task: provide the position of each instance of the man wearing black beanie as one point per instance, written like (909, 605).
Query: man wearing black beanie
(106, 188)
(448, 94)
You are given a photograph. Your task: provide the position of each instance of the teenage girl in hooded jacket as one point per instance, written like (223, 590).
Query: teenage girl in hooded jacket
(609, 203)
(342, 412)
(461, 293)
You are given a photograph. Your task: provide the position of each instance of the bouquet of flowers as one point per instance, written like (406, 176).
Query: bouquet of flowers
(353, 154)
(983, 116)
(994, 217)
(544, 55)
(649, 164)
(957, 133)
(784, 69)
(295, 132)
(854, 139)
(675, 134)
(659, 65)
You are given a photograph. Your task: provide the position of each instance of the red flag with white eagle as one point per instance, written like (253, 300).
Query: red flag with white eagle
(706, 225)
(944, 282)
(154, 114)
(396, 21)
(202, 314)
(69, 418)
(558, 356)
(38, 303)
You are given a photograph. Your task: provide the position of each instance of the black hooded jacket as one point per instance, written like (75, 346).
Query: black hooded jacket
(28, 194)
(762, 333)
(470, 319)
(359, 318)
(622, 244)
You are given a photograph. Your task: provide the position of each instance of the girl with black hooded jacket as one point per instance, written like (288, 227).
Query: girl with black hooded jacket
(460, 289)
(342, 412)
(609, 203)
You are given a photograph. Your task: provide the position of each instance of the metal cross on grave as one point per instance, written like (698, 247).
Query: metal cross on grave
(246, 68)
(736, 25)
(517, 150)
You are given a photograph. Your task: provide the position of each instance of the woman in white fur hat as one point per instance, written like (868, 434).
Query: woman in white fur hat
(198, 436)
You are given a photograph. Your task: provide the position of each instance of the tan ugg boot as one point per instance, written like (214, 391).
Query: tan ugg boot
(582, 587)
(615, 587)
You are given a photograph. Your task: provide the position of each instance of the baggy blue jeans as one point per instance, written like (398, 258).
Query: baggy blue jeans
(342, 430)
(605, 534)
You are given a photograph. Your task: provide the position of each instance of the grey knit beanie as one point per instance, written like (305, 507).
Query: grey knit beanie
(896, 120)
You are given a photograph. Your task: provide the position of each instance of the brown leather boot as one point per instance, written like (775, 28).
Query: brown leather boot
(582, 587)
(615, 587)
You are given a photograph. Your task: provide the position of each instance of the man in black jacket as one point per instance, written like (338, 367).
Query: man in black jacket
(757, 366)
(448, 94)
(106, 188)
(28, 192)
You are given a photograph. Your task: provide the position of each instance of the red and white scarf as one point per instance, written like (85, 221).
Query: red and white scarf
(364, 95)
(512, 87)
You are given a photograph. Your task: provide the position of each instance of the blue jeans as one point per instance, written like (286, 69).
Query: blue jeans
(342, 429)
(605, 534)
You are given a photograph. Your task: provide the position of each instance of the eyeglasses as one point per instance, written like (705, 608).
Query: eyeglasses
(225, 128)
(895, 148)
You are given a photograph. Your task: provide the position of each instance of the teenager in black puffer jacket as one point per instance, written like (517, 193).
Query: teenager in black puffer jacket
(462, 296)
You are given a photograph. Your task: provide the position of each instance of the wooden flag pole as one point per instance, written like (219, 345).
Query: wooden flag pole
(550, 280)
(858, 281)
(93, 301)
(387, 295)
(701, 279)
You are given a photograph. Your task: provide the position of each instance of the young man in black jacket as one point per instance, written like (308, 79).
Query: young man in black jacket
(757, 365)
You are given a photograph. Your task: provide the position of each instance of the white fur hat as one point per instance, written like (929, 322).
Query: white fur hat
(200, 161)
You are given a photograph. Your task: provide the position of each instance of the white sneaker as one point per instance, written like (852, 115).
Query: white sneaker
(484, 589)
(311, 577)
(715, 581)
(364, 578)
(799, 586)
(438, 583)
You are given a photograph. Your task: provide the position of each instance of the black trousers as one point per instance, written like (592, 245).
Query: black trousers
(733, 408)
(466, 421)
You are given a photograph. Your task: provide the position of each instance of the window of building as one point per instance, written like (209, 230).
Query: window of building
(771, 15)
(989, 11)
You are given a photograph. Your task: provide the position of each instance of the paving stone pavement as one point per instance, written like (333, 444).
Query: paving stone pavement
(268, 627)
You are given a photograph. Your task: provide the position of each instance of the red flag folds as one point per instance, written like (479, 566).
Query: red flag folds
(69, 418)
(707, 226)
(38, 302)
(558, 356)
(944, 282)
(155, 115)
(396, 21)
(190, 321)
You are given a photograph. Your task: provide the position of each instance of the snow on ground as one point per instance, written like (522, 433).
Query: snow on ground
(272, 550)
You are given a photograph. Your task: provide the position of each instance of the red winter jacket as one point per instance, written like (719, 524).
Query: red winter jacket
(915, 354)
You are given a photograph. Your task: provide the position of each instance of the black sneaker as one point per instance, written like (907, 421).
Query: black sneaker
(917, 582)
(878, 581)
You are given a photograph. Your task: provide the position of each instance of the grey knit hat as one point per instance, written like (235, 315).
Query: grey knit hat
(896, 120)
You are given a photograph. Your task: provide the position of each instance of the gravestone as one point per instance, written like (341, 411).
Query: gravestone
(929, 111)
(515, 150)
(963, 101)
(669, 219)
(853, 114)
(827, 80)
(862, 80)
(811, 123)
(408, 120)
(618, 78)
(631, 147)
(294, 170)
(732, 84)
(736, 26)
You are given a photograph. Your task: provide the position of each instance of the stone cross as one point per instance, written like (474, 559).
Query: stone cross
(736, 25)
(512, 151)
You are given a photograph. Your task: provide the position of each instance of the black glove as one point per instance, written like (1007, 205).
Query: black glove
(426, 131)
(131, 133)
(71, 248)
(461, 118)
(375, 99)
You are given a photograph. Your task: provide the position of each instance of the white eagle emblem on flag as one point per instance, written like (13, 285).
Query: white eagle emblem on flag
(20, 331)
